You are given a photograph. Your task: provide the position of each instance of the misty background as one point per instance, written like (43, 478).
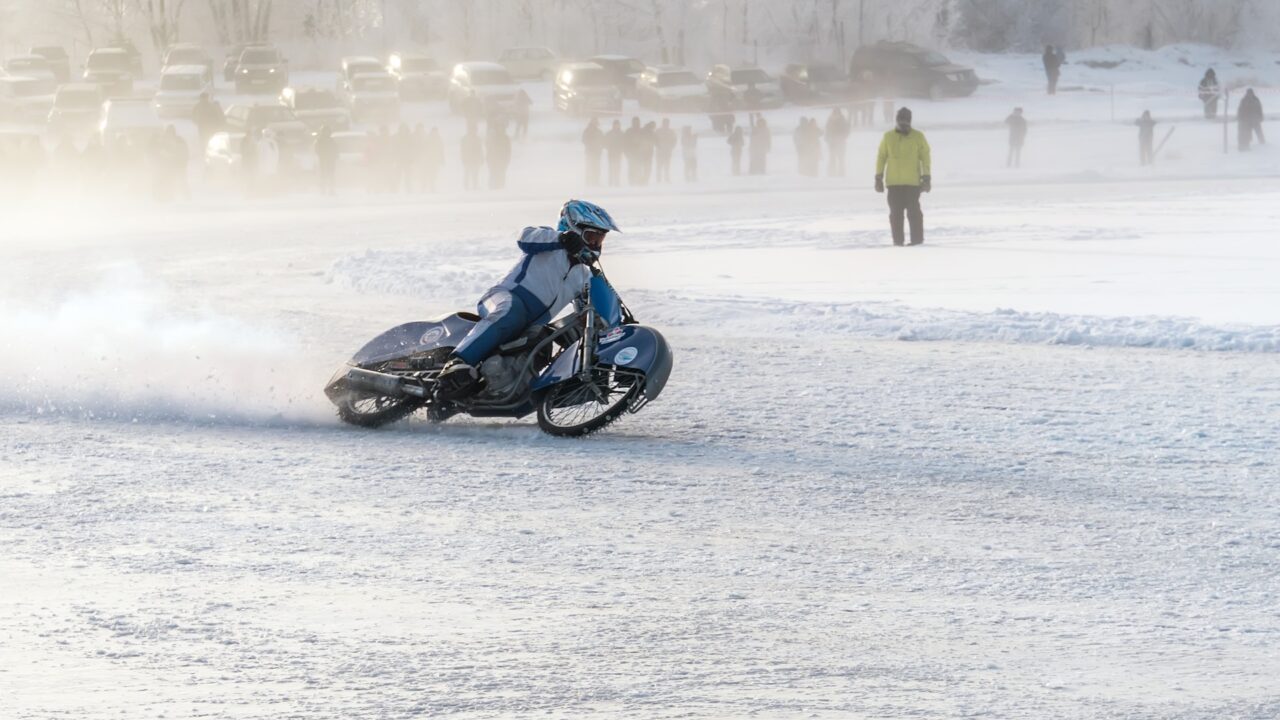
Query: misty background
(694, 32)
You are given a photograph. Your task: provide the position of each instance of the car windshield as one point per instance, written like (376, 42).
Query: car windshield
(751, 75)
(374, 84)
(33, 88)
(109, 61)
(589, 77)
(314, 100)
(271, 114)
(412, 64)
(490, 77)
(259, 57)
(181, 82)
(673, 79)
(932, 59)
(77, 99)
(188, 56)
(825, 73)
(20, 64)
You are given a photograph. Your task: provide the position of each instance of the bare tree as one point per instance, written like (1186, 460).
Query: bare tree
(164, 18)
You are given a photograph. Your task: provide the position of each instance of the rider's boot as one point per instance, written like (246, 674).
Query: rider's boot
(457, 380)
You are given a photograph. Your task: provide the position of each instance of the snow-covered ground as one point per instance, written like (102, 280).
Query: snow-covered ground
(1026, 470)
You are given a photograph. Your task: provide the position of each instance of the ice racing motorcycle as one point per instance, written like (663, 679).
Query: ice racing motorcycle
(579, 373)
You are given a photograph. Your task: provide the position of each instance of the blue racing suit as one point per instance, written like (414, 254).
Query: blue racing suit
(537, 289)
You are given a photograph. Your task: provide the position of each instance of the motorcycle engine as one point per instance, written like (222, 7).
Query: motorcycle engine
(502, 374)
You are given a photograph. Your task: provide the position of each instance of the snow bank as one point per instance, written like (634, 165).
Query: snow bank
(121, 350)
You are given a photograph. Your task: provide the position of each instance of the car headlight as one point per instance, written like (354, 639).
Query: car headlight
(272, 71)
(244, 71)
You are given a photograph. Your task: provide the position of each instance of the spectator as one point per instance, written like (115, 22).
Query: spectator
(633, 148)
(760, 145)
(1146, 138)
(837, 137)
(1249, 118)
(648, 150)
(689, 153)
(665, 143)
(1017, 136)
(615, 145)
(1053, 60)
(593, 148)
(736, 143)
(1209, 92)
(521, 106)
(498, 154)
(208, 118)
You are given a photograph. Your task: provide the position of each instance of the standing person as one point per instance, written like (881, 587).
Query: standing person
(761, 144)
(326, 150)
(903, 165)
(1146, 138)
(1052, 60)
(1249, 117)
(1017, 136)
(736, 142)
(404, 160)
(665, 143)
(689, 153)
(498, 153)
(632, 149)
(208, 117)
(521, 105)
(432, 159)
(472, 158)
(648, 151)
(615, 145)
(593, 148)
(837, 137)
(1209, 92)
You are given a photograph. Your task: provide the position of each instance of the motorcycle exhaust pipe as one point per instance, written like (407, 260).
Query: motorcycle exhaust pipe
(383, 383)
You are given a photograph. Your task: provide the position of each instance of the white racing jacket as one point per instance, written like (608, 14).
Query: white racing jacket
(544, 279)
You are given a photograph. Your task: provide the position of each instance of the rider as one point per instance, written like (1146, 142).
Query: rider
(555, 266)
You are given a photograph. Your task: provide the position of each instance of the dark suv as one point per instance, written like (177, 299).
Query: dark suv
(261, 69)
(816, 84)
(906, 70)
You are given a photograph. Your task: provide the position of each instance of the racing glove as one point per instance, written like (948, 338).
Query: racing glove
(879, 183)
(926, 183)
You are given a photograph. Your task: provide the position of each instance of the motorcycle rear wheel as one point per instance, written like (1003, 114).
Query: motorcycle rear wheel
(573, 409)
(371, 411)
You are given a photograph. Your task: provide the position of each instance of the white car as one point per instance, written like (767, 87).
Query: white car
(316, 108)
(180, 89)
(26, 99)
(76, 107)
(133, 119)
(32, 66)
(668, 88)
(529, 62)
(373, 97)
(487, 82)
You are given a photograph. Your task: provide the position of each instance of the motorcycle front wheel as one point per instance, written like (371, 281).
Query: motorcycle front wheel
(371, 411)
(576, 408)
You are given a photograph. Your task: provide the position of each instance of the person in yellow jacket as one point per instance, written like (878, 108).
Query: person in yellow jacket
(903, 166)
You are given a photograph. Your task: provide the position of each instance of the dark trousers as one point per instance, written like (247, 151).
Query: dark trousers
(905, 199)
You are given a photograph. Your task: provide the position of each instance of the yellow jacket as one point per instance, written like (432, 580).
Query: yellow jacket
(907, 158)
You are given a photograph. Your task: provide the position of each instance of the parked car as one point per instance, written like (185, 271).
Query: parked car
(744, 87)
(232, 62)
(110, 69)
(261, 69)
(316, 108)
(25, 99)
(76, 107)
(186, 54)
(624, 71)
(59, 61)
(668, 88)
(32, 66)
(814, 84)
(419, 76)
(582, 88)
(180, 89)
(279, 119)
(488, 82)
(353, 65)
(373, 97)
(128, 118)
(529, 62)
(903, 69)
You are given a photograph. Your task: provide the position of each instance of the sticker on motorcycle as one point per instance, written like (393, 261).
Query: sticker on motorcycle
(612, 336)
(625, 356)
(431, 336)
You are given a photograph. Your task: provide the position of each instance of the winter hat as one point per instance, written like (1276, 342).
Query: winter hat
(904, 115)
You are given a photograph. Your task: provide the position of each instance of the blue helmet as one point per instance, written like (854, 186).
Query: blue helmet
(579, 215)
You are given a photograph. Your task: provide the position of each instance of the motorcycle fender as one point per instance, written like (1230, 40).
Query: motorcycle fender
(634, 347)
